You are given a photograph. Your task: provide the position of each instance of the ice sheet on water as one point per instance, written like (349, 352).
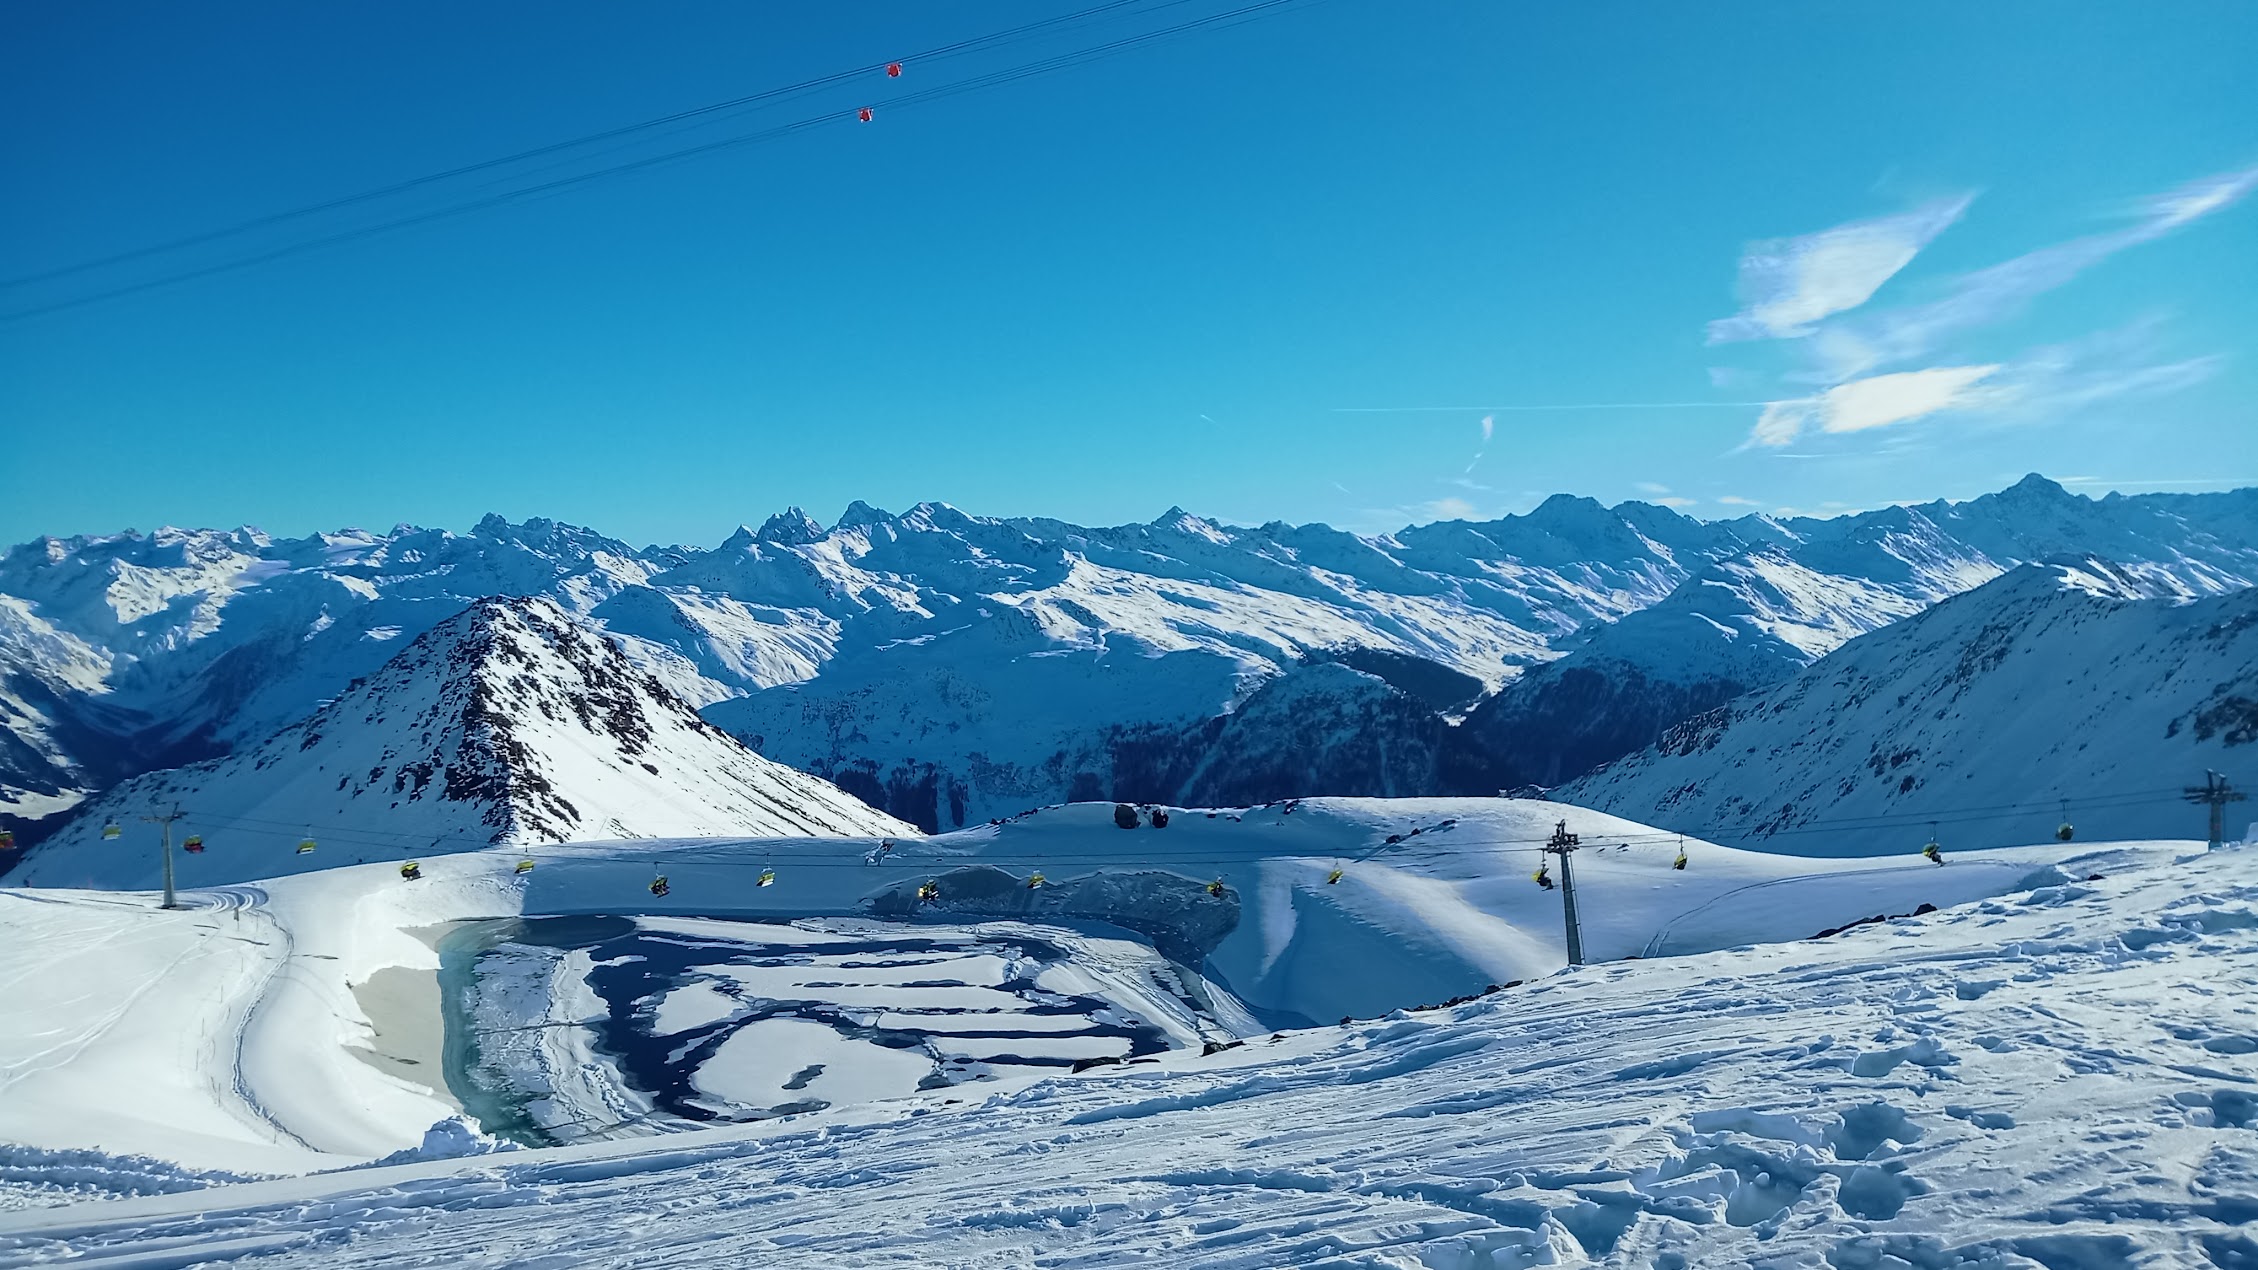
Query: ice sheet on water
(628, 1026)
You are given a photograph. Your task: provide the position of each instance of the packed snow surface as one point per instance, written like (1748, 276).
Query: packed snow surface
(296, 1023)
(2055, 1077)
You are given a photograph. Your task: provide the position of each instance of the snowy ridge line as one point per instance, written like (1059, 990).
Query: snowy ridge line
(950, 667)
(511, 720)
(292, 831)
(2036, 1079)
(2033, 684)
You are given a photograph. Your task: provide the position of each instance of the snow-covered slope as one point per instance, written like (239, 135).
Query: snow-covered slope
(1756, 618)
(295, 1020)
(2069, 683)
(2047, 1079)
(509, 722)
(959, 667)
(40, 666)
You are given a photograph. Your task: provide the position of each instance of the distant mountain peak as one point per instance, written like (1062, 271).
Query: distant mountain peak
(790, 528)
(860, 515)
(509, 722)
(2035, 486)
(1570, 504)
(1184, 522)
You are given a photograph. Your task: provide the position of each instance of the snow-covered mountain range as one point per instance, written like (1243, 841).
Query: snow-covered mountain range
(951, 668)
(2076, 690)
(507, 723)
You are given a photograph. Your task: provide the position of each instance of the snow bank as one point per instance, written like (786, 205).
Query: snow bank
(2059, 1078)
(229, 1036)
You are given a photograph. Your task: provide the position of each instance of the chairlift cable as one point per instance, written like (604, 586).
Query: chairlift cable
(975, 83)
(891, 67)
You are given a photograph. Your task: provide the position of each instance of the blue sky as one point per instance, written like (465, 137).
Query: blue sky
(1344, 263)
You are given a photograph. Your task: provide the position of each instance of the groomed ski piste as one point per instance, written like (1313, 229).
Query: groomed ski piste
(2054, 1069)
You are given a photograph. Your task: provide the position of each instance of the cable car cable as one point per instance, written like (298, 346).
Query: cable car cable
(974, 83)
(958, 48)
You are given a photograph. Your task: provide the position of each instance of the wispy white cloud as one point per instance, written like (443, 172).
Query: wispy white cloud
(1851, 353)
(1489, 427)
(1448, 509)
(2189, 482)
(1874, 402)
(1735, 500)
(1789, 284)
(1660, 495)
(1881, 400)
(1782, 422)
(1853, 346)
(2123, 362)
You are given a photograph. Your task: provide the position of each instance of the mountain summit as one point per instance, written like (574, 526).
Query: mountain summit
(508, 723)
(2074, 688)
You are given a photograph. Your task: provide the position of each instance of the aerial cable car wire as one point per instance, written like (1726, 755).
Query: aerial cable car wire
(974, 83)
(893, 69)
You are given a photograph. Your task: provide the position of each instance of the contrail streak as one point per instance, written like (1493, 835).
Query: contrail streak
(1610, 405)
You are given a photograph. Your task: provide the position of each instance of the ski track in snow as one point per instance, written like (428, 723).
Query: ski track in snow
(2066, 1078)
